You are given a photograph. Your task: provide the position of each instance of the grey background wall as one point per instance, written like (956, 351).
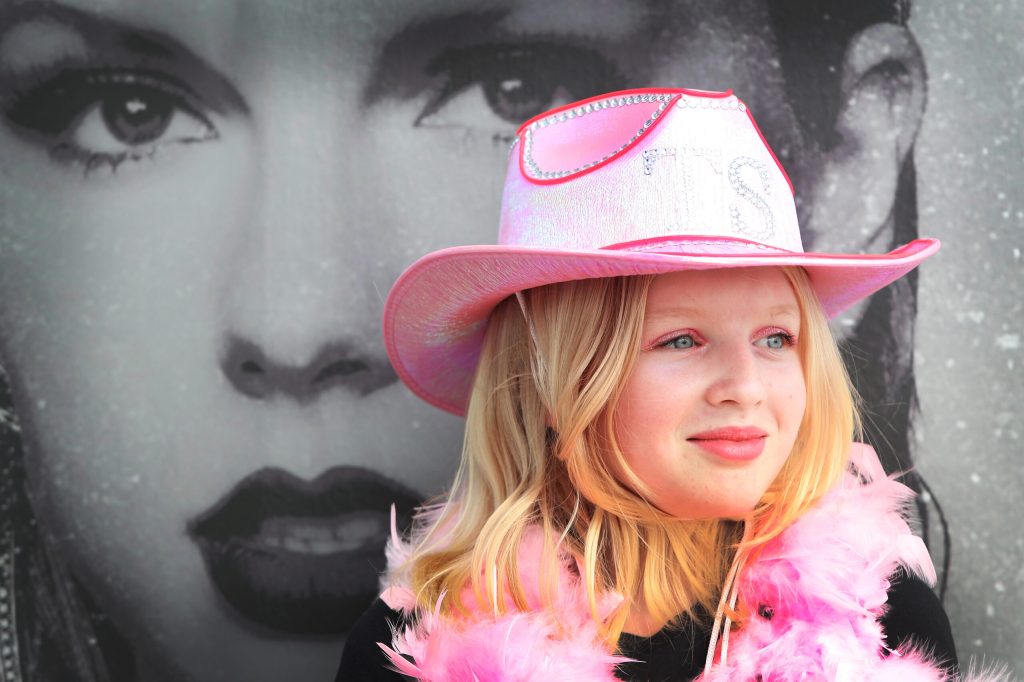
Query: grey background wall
(199, 435)
(970, 159)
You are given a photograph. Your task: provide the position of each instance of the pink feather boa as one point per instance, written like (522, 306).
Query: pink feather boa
(822, 583)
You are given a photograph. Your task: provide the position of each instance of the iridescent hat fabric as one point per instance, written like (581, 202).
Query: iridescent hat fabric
(636, 182)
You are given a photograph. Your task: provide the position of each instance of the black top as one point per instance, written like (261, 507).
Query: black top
(672, 655)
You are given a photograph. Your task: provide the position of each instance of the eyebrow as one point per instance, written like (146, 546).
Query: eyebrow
(403, 66)
(399, 69)
(149, 47)
(780, 310)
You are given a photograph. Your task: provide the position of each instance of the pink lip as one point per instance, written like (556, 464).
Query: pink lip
(737, 443)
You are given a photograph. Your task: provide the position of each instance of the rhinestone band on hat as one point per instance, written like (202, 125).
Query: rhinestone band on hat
(652, 155)
(755, 199)
(582, 110)
(9, 667)
(725, 103)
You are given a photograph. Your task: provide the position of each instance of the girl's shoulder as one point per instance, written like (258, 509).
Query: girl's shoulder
(543, 641)
(362, 657)
(914, 617)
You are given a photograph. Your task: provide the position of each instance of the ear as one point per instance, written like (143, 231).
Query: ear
(882, 99)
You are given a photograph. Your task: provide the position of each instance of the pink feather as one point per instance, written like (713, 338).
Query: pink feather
(825, 579)
(521, 646)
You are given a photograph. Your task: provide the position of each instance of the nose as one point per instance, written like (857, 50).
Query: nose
(738, 378)
(303, 274)
(337, 364)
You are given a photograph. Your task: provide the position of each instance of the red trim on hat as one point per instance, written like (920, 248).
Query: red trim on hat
(639, 243)
(768, 251)
(769, 148)
(613, 157)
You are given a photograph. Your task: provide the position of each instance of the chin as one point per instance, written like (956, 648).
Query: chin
(731, 513)
(736, 510)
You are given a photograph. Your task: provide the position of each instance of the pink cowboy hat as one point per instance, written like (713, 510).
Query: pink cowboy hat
(637, 182)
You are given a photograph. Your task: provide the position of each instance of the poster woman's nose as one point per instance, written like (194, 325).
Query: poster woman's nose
(252, 372)
(298, 313)
(304, 266)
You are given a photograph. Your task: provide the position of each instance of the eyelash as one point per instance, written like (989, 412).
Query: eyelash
(50, 103)
(787, 339)
(540, 64)
(667, 342)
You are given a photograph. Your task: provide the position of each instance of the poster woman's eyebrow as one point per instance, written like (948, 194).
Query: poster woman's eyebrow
(146, 48)
(400, 69)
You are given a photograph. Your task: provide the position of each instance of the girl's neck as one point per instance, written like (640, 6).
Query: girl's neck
(640, 623)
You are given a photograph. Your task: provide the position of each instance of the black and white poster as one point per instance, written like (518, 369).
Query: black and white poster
(203, 204)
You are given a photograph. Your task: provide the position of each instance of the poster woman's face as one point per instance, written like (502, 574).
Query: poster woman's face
(202, 206)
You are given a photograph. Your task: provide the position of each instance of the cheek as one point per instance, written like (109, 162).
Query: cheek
(789, 393)
(88, 242)
(645, 415)
(439, 168)
(797, 401)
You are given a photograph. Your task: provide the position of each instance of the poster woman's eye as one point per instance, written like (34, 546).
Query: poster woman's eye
(109, 117)
(508, 83)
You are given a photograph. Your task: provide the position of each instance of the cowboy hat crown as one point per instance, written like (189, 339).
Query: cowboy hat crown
(636, 182)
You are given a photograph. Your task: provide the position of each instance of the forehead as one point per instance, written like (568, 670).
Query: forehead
(708, 292)
(219, 31)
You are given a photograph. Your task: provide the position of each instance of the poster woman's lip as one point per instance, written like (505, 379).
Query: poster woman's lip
(301, 556)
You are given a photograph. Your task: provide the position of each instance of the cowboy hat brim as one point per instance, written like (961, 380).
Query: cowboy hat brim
(436, 313)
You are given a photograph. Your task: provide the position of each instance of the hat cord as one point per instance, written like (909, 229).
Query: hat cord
(529, 322)
(533, 332)
(730, 593)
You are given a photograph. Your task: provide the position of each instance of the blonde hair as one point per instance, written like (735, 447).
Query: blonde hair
(540, 448)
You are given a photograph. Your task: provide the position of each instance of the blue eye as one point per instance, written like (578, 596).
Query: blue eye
(684, 341)
(777, 341)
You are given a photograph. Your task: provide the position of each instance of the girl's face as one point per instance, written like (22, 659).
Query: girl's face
(202, 206)
(712, 406)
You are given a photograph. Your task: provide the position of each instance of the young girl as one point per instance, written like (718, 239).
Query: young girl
(657, 477)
